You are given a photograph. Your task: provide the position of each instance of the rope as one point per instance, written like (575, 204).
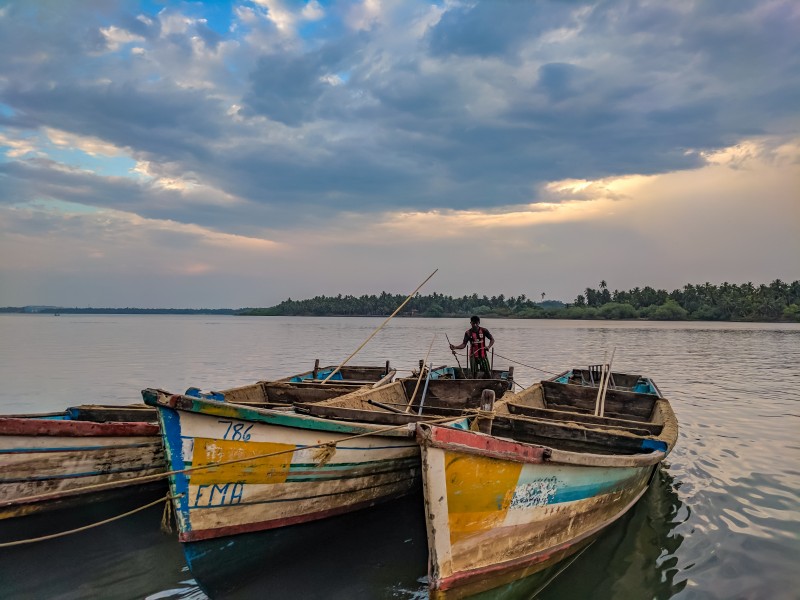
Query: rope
(166, 499)
(524, 365)
(327, 450)
(165, 474)
(166, 518)
(481, 415)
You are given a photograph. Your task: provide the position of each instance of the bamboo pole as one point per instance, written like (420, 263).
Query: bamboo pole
(600, 384)
(608, 378)
(419, 379)
(364, 343)
(458, 362)
(425, 389)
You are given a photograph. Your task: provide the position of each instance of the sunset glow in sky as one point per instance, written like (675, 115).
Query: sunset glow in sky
(237, 153)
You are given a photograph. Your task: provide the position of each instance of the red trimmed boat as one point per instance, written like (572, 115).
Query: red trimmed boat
(53, 460)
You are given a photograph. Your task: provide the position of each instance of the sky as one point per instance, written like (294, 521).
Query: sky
(238, 153)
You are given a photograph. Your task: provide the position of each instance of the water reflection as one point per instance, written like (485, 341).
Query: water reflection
(733, 387)
(636, 557)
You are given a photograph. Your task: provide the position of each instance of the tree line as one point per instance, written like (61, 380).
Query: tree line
(777, 301)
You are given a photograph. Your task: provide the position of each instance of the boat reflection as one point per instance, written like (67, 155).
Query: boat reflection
(634, 558)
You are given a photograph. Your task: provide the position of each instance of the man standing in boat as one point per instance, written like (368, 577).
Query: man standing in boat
(476, 337)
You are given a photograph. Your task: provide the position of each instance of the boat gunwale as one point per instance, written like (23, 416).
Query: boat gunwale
(14, 426)
(266, 416)
(430, 435)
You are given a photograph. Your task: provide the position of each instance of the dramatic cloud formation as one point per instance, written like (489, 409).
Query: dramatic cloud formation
(237, 153)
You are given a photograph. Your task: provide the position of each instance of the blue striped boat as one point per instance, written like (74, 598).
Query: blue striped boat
(288, 486)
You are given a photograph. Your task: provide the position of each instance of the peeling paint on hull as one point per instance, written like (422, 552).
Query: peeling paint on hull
(60, 458)
(499, 511)
(299, 486)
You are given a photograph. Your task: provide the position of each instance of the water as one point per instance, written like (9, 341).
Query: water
(722, 519)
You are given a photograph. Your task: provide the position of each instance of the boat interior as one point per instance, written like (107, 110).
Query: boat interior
(407, 400)
(562, 415)
(307, 387)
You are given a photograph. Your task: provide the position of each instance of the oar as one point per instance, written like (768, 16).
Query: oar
(600, 384)
(456, 355)
(608, 378)
(421, 371)
(425, 389)
(397, 310)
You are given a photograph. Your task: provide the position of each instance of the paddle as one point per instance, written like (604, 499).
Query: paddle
(421, 371)
(456, 355)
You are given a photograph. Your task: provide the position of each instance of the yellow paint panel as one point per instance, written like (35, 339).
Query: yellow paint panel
(270, 469)
(479, 492)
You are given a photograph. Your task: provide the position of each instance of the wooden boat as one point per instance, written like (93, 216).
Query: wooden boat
(408, 400)
(310, 386)
(60, 454)
(298, 478)
(541, 485)
(306, 471)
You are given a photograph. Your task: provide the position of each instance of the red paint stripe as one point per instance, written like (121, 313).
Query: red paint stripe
(10, 426)
(206, 534)
(488, 445)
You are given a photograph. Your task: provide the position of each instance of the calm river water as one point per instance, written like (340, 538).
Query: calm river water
(721, 521)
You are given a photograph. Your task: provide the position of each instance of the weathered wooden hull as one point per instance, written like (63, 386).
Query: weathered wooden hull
(287, 484)
(60, 458)
(500, 510)
(396, 403)
(305, 387)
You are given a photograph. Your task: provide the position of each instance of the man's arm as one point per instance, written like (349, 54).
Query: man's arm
(463, 344)
(489, 337)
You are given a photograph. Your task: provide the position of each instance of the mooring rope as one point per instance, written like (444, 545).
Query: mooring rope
(157, 476)
(516, 362)
(60, 534)
(327, 451)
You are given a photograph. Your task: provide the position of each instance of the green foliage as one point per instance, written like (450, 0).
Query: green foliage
(617, 310)
(669, 311)
(434, 310)
(792, 312)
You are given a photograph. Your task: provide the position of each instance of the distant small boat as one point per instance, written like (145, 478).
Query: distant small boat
(542, 484)
(58, 455)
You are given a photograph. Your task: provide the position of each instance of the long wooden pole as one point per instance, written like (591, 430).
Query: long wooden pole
(463, 376)
(605, 389)
(397, 310)
(419, 379)
(600, 384)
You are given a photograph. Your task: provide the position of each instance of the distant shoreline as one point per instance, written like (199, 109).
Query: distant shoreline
(554, 315)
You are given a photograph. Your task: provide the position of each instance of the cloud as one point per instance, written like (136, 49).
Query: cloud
(380, 121)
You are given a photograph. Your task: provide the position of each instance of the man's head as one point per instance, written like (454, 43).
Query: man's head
(475, 321)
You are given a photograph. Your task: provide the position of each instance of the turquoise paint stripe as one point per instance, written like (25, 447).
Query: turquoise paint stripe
(301, 447)
(347, 465)
(241, 413)
(584, 492)
(341, 466)
(300, 498)
(580, 484)
(75, 448)
(79, 475)
(345, 476)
